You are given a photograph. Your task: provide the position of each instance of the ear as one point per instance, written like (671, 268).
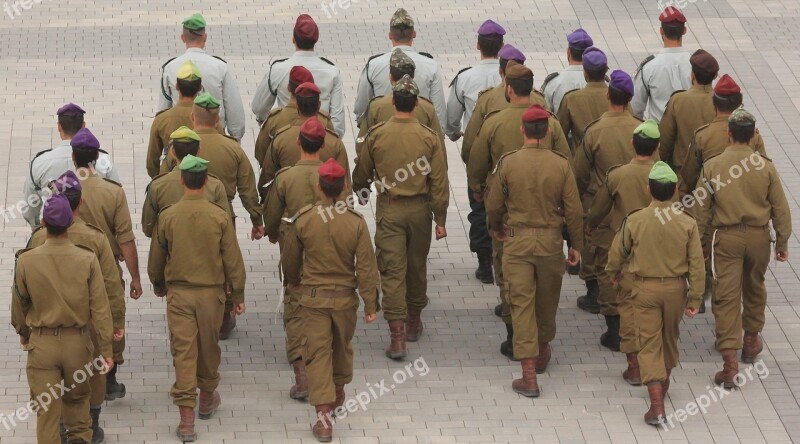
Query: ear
(216, 121)
(83, 125)
(390, 36)
(693, 77)
(58, 125)
(522, 130)
(661, 32)
(191, 117)
(478, 46)
(294, 41)
(183, 38)
(298, 141)
(319, 105)
(414, 34)
(205, 182)
(685, 29)
(172, 152)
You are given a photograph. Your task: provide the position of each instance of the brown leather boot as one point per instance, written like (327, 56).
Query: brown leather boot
(228, 324)
(665, 384)
(656, 414)
(544, 357)
(730, 368)
(752, 346)
(339, 397)
(323, 428)
(413, 324)
(397, 348)
(185, 430)
(527, 385)
(209, 402)
(631, 375)
(300, 388)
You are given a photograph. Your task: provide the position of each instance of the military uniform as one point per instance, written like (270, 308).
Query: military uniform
(580, 108)
(557, 84)
(686, 112)
(657, 77)
(464, 91)
(278, 119)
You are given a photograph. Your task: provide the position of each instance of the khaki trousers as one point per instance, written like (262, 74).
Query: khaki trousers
(328, 350)
(601, 240)
(658, 306)
(627, 316)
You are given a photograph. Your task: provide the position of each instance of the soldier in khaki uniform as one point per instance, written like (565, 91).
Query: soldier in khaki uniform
(192, 268)
(557, 84)
(658, 256)
(688, 110)
(529, 224)
(106, 207)
(284, 152)
(58, 292)
(607, 143)
(625, 190)
(734, 221)
(413, 190)
(166, 188)
(580, 107)
(327, 256)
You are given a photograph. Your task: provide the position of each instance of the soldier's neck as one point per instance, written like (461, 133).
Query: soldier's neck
(615, 109)
(643, 158)
(188, 192)
(198, 127)
(672, 43)
(402, 115)
(396, 43)
(183, 99)
(489, 58)
(307, 156)
(519, 100)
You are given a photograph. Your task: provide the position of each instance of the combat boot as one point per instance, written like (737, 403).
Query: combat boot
(323, 428)
(484, 272)
(656, 415)
(413, 324)
(631, 375)
(507, 346)
(527, 385)
(730, 369)
(752, 346)
(397, 335)
(498, 310)
(588, 302)
(544, 357)
(209, 402)
(228, 324)
(98, 435)
(114, 389)
(610, 339)
(300, 388)
(339, 397)
(185, 430)
(665, 384)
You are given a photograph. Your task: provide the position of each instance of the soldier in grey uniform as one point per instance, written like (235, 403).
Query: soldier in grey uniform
(471, 81)
(273, 87)
(660, 75)
(374, 80)
(48, 165)
(558, 83)
(218, 79)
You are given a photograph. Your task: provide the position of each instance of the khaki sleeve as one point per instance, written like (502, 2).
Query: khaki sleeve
(99, 308)
(560, 143)
(668, 128)
(362, 173)
(292, 257)
(155, 148)
(123, 227)
(697, 268)
(582, 167)
(269, 167)
(601, 205)
(472, 130)
(702, 208)
(573, 210)
(759, 144)
(437, 127)
(232, 261)
(221, 199)
(149, 214)
(780, 215)
(113, 283)
(495, 199)
(439, 185)
(246, 187)
(564, 117)
(480, 161)
(691, 168)
(344, 162)
(262, 144)
(367, 271)
(618, 253)
(157, 259)
(20, 303)
(274, 207)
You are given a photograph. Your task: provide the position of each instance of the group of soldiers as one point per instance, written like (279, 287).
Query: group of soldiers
(572, 161)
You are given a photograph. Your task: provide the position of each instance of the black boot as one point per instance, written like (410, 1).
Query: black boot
(507, 347)
(610, 339)
(498, 310)
(114, 389)
(484, 272)
(588, 302)
(97, 433)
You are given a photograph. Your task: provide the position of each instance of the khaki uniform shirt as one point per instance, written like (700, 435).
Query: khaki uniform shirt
(686, 112)
(106, 207)
(278, 119)
(624, 190)
(293, 188)
(581, 107)
(205, 255)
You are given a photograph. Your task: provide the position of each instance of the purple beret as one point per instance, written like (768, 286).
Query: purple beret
(67, 181)
(508, 52)
(579, 39)
(71, 109)
(622, 81)
(84, 140)
(489, 27)
(594, 59)
(57, 212)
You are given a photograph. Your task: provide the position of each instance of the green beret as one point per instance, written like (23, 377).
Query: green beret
(648, 129)
(184, 134)
(194, 22)
(193, 164)
(662, 173)
(742, 117)
(406, 86)
(206, 101)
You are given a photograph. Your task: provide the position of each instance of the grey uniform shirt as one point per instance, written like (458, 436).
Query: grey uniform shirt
(274, 87)
(464, 93)
(567, 80)
(655, 82)
(48, 167)
(218, 81)
(374, 81)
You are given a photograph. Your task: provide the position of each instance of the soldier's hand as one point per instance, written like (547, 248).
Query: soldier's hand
(501, 235)
(441, 232)
(573, 257)
(691, 312)
(617, 278)
(238, 309)
(136, 289)
(160, 291)
(272, 239)
(477, 196)
(370, 318)
(119, 333)
(23, 341)
(456, 136)
(782, 256)
(108, 364)
(257, 233)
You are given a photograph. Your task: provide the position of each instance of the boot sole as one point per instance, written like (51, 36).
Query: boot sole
(726, 385)
(635, 382)
(187, 438)
(396, 355)
(110, 396)
(205, 416)
(101, 436)
(591, 310)
(749, 359)
(657, 421)
(528, 393)
(416, 337)
(323, 438)
(302, 396)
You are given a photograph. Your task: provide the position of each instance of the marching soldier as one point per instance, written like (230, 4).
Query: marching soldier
(529, 225)
(734, 220)
(471, 81)
(405, 203)
(58, 292)
(192, 269)
(106, 207)
(273, 87)
(218, 79)
(658, 256)
(607, 143)
(49, 164)
(327, 256)
(580, 107)
(558, 83)
(659, 75)
(374, 79)
(688, 110)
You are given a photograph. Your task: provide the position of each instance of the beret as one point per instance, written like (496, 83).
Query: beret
(306, 27)
(313, 130)
(535, 113)
(331, 172)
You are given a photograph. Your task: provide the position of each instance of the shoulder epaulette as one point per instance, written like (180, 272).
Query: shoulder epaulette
(30, 239)
(278, 61)
(374, 57)
(711, 157)
(676, 92)
(94, 227)
(371, 129)
(426, 54)
(375, 98)
(458, 74)
(163, 111)
(299, 213)
(429, 129)
(490, 114)
(499, 168)
(331, 132)
(83, 247)
(608, 175)
(282, 170)
(538, 93)
(30, 169)
(559, 153)
(327, 61)
(591, 123)
(425, 99)
(112, 181)
(642, 63)
(220, 59)
(568, 93)
(353, 210)
(702, 127)
(167, 62)
(547, 79)
(274, 112)
(231, 137)
(274, 91)
(21, 251)
(485, 91)
(282, 129)
(218, 206)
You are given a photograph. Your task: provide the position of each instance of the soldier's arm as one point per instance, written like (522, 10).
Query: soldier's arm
(263, 99)
(668, 127)
(233, 262)
(268, 167)
(582, 167)
(221, 199)
(342, 160)
(640, 95)
(292, 257)
(157, 259)
(163, 101)
(113, 283)
(697, 268)
(780, 215)
(439, 184)
(565, 118)
(31, 212)
(367, 271)
(337, 113)
(573, 210)
(20, 303)
(263, 141)
(759, 144)
(362, 173)
(437, 127)
(480, 161)
(364, 93)
(455, 112)
(495, 200)
(616, 254)
(560, 143)
(703, 208)
(154, 150)
(123, 233)
(149, 214)
(601, 205)
(246, 187)
(472, 130)
(437, 97)
(274, 207)
(234, 109)
(100, 312)
(691, 168)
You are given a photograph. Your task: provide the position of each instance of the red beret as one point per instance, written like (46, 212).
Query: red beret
(307, 89)
(726, 86)
(535, 114)
(299, 74)
(306, 28)
(313, 130)
(331, 172)
(672, 16)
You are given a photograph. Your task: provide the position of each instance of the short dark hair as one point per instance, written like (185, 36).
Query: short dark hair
(576, 54)
(742, 134)
(308, 106)
(189, 88)
(521, 87)
(596, 75)
(727, 104)
(673, 32)
(182, 149)
(292, 86)
(398, 74)
(401, 33)
(194, 36)
(194, 180)
(55, 231)
(618, 97)
(70, 124)
(332, 190)
(535, 130)
(404, 102)
(703, 77)
(644, 146)
(310, 146)
(73, 196)
(503, 64)
(205, 116)
(85, 158)
(490, 45)
(304, 43)
(662, 191)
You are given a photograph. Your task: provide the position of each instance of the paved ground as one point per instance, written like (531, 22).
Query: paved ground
(106, 56)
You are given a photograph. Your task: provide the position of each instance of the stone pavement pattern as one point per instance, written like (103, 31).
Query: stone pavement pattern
(106, 56)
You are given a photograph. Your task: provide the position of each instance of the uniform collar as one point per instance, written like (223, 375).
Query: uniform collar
(58, 242)
(200, 197)
(304, 54)
(309, 162)
(200, 50)
(702, 88)
(658, 204)
(614, 113)
(636, 161)
(722, 118)
(489, 62)
(404, 48)
(520, 105)
(677, 50)
(207, 131)
(534, 146)
(574, 68)
(598, 84)
(184, 104)
(739, 147)
(407, 120)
